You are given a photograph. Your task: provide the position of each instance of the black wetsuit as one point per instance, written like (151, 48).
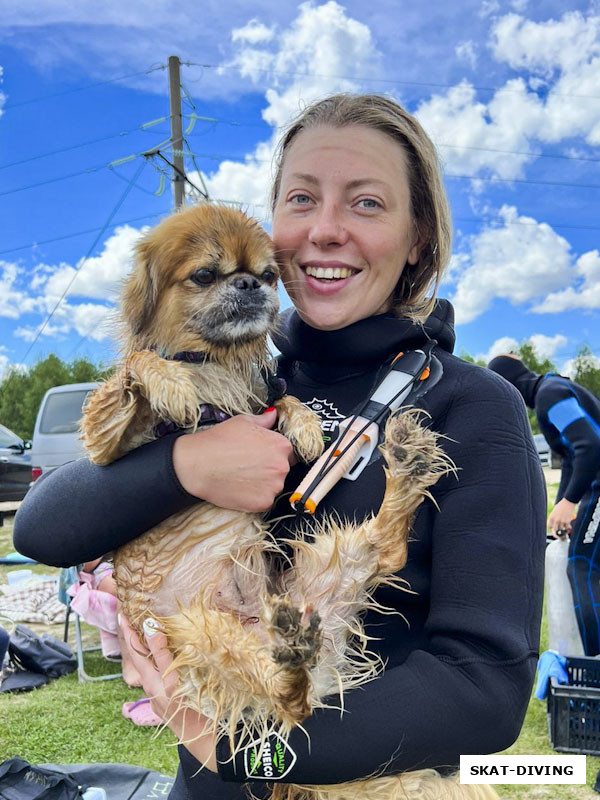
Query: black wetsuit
(569, 418)
(461, 658)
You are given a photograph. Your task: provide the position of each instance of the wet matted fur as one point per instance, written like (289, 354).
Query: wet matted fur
(255, 648)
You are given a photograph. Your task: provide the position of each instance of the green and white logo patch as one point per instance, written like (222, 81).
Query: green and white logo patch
(270, 760)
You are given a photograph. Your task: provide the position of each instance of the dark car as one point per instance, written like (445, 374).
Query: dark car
(15, 465)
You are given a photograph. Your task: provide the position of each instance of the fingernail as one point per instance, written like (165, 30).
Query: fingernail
(150, 627)
(119, 620)
(270, 408)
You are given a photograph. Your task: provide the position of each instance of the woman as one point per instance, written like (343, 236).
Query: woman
(361, 226)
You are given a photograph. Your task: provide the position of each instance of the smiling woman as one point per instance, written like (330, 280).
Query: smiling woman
(362, 235)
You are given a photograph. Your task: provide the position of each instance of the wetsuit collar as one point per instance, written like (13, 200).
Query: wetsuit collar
(365, 342)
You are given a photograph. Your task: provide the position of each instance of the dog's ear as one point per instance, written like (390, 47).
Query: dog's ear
(140, 291)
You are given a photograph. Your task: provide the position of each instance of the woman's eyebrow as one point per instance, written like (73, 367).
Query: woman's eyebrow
(356, 184)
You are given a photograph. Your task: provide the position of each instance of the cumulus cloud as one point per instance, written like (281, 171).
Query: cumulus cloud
(517, 259)
(561, 56)
(99, 277)
(324, 35)
(543, 346)
(39, 290)
(584, 294)
(254, 32)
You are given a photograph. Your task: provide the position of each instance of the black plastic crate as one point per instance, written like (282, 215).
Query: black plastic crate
(574, 708)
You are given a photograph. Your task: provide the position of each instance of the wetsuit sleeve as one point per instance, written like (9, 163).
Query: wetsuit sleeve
(81, 511)
(581, 434)
(467, 691)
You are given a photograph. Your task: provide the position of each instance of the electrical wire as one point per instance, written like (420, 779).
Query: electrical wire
(117, 206)
(143, 127)
(362, 79)
(84, 88)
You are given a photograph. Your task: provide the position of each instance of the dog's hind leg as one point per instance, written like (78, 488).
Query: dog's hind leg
(336, 573)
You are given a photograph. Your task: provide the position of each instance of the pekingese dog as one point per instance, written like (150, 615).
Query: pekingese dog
(257, 646)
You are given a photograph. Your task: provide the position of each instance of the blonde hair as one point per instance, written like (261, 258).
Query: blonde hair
(417, 288)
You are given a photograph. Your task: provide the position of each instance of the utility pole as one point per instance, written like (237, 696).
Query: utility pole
(176, 131)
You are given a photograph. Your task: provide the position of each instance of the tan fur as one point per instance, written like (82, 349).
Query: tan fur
(251, 646)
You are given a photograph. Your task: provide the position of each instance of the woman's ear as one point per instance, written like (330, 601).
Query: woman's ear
(140, 292)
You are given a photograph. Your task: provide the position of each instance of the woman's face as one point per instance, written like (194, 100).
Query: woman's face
(342, 225)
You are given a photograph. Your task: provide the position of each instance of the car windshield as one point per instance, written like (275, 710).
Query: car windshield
(8, 438)
(63, 411)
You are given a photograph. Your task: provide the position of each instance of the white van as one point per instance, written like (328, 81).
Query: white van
(56, 433)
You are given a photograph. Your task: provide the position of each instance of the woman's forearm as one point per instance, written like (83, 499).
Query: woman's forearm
(82, 511)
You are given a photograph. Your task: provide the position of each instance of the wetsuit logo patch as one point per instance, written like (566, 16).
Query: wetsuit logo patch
(270, 760)
(329, 415)
(593, 526)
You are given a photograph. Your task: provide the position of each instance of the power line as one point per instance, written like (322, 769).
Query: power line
(118, 205)
(83, 88)
(78, 233)
(144, 127)
(362, 79)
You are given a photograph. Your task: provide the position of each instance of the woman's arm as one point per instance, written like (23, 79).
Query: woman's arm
(82, 511)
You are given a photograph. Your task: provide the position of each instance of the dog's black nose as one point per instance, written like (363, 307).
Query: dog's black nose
(246, 282)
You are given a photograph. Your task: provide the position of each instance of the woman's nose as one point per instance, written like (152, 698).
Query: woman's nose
(328, 227)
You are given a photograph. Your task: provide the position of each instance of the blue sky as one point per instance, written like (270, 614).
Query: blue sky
(509, 92)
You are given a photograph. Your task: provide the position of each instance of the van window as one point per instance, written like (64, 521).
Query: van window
(63, 411)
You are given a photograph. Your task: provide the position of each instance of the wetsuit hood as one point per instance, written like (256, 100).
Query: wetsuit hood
(365, 341)
(522, 378)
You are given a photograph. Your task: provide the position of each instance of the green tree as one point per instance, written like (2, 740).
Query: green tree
(21, 392)
(587, 370)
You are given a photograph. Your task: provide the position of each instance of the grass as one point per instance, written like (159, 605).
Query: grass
(71, 722)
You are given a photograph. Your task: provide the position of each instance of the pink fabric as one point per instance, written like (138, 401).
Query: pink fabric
(96, 608)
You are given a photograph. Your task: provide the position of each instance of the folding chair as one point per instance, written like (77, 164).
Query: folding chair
(68, 576)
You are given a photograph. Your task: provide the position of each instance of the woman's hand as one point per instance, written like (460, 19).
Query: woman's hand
(151, 661)
(239, 464)
(561, 517)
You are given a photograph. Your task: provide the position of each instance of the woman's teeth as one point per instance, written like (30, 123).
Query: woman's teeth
(329, 273)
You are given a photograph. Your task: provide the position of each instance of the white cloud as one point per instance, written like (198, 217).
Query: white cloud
(254, 32)
(520, 261)
(547, 346)
(584, 294)
(322, 39)
(543, 346)
(99, 277)
(506, 344)
(563, 55)
(465, 51)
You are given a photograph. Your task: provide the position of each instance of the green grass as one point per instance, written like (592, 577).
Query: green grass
(72, 722)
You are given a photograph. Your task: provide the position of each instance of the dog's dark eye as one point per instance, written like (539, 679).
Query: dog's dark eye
(268, 276)
(204, 276)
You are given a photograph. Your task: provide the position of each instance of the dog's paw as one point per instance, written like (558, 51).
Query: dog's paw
(298, 635)
(301, 427)
(411, 450)
(307, 442)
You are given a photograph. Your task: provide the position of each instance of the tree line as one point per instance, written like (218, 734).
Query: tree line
(21, 391)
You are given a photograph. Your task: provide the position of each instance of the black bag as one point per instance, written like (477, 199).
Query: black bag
(19, 780)
(43, 654)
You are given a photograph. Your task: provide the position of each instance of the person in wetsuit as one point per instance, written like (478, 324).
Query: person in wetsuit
(569, 417)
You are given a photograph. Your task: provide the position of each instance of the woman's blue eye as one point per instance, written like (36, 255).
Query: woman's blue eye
(301, 199)
(369, 202)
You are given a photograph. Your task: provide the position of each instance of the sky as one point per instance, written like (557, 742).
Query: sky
(509, 91)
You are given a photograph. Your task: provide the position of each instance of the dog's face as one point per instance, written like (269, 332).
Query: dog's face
(205, 279)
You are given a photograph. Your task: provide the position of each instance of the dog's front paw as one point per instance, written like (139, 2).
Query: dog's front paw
(301, 426)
